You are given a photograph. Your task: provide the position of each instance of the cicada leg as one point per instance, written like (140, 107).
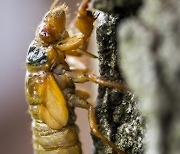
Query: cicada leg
(97, 133)
(72, 46)
(82, 77)
(92, 77)
(77, 45)
(78, 101)
(78, 52)
(82, 94)
(85, 19)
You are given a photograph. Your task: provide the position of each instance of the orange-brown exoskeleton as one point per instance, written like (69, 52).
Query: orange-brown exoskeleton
(50, 83)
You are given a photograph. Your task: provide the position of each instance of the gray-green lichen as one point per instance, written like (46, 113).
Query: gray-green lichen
(117, 112)
(149, 55)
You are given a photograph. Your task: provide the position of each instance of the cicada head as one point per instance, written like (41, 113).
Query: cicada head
(52, 28)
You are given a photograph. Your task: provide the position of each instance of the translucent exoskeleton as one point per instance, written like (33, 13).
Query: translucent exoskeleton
(50, 82)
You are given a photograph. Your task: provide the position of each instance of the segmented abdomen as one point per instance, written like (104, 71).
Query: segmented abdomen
(48, 141)
(45, 139)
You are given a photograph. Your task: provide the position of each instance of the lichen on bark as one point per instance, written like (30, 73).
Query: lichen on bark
(117, 112)
(149, 57)
(148, 42)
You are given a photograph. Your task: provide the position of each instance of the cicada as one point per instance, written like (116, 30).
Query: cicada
(50, 82)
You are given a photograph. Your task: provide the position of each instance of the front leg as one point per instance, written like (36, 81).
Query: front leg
(71, 46)
(77, 45)
(70, 43)
(85, 19)
(84, 23)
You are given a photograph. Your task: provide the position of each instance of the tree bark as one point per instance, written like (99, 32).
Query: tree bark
(148, 56)
(117, 111)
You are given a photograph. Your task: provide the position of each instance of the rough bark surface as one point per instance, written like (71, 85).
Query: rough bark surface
(117, 112)
(149, 57)
(148, 41)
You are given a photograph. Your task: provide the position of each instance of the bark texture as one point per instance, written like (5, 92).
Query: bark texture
(117, 112)
(149, 49)
(148, 43)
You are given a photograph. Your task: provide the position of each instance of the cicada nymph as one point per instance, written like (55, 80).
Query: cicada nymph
(50, 82)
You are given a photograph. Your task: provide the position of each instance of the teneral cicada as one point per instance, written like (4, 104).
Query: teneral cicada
(50, 83)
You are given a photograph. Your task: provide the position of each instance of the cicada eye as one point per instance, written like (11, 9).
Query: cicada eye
(47, 35)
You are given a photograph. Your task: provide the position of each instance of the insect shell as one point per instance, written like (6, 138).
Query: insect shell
(50, 83)
(52, 118)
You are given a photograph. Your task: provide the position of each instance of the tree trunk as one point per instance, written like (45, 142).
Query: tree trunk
(117, 111)
(148, 44)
